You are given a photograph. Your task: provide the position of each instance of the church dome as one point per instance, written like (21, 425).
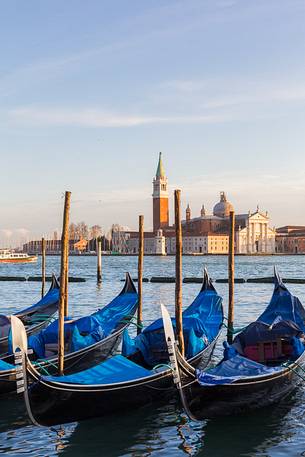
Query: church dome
(223, 208)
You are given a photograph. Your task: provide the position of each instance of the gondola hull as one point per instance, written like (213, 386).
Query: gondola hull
(30, 330)
(51, 405)
(85, 358)
(36, 317)
(243, 395)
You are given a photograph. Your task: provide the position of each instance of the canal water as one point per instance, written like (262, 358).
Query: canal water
(157, 430)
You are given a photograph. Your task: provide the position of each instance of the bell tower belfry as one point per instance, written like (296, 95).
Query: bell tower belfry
(160, 198)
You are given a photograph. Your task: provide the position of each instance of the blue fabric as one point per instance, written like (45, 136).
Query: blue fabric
(5, 324)
(201, 323)
(87, 330)
(193, 344)
(113, 370)
(233, 369)
(298, 347)
(284, 317)
(260, 332)
(6, 366)
(285, 306)
(229, 351)
(52, 296)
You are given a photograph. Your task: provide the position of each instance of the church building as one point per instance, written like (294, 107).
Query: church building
(204, 234)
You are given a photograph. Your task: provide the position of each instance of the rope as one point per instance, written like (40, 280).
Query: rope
(285, 364)
(161, 365)
(132, 321)
(41, 367)
(234, 330)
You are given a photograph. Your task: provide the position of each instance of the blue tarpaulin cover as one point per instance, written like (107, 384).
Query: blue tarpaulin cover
(201, 323)
(233, 369)
(6, 366)
(88, 330)
(284, 317)
(52, 296)
(283, 305)
(116, 369)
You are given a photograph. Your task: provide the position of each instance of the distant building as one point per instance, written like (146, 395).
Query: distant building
(75, 246)
(253, 234)
(290, 239)
(160, 198)
(205, 234)
(80, 246)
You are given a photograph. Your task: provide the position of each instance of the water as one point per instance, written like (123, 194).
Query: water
(157, 430)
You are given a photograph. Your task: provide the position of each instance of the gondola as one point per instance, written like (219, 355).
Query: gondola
(263, 365)
(119, 383)
(88, 340)
(34, 318)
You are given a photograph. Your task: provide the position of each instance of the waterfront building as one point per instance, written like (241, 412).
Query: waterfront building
(290, 239)
(53, 246)
(253, 234)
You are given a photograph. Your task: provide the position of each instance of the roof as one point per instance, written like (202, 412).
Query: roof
(160, 170)
(289, 228)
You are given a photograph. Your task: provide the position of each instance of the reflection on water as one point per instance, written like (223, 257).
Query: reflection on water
(156, 430)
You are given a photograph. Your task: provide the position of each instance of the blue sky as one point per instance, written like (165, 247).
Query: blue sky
(91, 91)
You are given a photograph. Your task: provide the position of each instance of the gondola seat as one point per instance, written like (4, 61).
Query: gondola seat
(275, 343)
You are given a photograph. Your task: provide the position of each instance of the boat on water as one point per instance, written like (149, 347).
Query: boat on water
(34, 318)
(11, 256)
(120, 382)
(264, 364)
(88, 340)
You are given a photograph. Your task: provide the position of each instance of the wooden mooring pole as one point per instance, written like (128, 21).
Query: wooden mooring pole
(43, 266)
(231, 278)
(178, 289)
(140, 274)
(63, 296)
(99, 260)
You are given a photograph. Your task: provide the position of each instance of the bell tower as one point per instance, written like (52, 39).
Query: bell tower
(160, 198)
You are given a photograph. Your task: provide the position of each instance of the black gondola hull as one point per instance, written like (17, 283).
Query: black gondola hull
(51, 405)
(244, 395)
(75, 361)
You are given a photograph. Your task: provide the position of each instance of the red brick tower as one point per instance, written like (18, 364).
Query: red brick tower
(160, 198)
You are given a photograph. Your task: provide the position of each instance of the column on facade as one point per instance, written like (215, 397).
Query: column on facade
(266, 238)
(252, 237)
(248, 238)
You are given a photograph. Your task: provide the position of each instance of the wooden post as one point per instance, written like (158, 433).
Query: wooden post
(140, 273)
(63, 296)
(231, 278)
(99, 260)
(43, 266)
(178, 289)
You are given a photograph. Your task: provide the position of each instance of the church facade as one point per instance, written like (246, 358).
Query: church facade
(205, 234)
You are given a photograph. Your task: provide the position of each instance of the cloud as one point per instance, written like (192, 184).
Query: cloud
(87, 117)
(182, 101)
(219, 93)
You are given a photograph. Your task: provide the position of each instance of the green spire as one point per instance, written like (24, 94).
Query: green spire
(160, 170)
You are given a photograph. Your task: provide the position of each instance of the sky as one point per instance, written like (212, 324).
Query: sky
(90, 92)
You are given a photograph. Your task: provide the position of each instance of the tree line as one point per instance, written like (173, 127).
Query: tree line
(81, 231)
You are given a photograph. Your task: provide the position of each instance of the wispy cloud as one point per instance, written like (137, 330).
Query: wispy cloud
(88, 117)
(200, 101)
(221, 93)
